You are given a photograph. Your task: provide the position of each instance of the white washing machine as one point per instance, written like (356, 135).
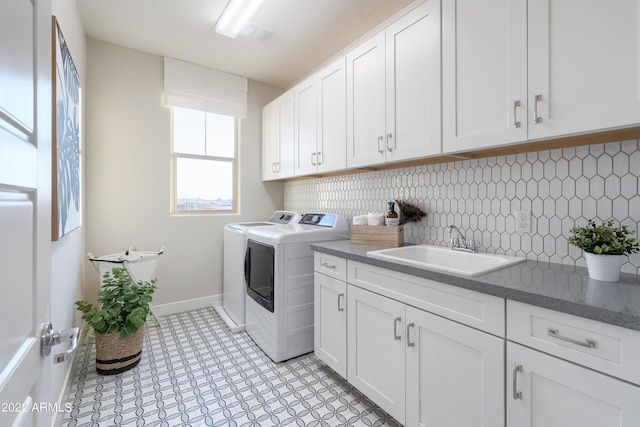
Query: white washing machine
(232, 309)
(279, 277)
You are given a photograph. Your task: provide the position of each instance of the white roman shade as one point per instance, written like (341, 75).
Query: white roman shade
(193, 86)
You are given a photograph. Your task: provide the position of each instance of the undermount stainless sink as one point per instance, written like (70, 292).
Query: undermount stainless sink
(446, 259)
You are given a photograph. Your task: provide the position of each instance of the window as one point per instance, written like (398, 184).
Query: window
(204, 167)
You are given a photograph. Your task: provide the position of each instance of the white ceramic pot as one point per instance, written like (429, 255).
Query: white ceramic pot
(606, 268)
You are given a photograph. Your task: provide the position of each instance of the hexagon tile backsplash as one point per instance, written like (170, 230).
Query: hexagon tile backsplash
(561, 188)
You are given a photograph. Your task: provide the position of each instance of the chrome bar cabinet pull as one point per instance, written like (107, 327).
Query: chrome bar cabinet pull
(410, 343)
(516, 394)
(395, 328)
(588, 342)
(536, 117)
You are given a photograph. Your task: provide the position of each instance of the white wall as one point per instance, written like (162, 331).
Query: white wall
(128, 177)
(67, 253)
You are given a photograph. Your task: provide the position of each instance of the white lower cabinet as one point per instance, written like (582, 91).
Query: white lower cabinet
(567, 371)
(330, 318)
(545, 391)
(375, 349)
(434, 355)
(422, 369)
(454, 374)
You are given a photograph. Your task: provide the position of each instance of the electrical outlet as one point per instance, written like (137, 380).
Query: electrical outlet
(523, 221)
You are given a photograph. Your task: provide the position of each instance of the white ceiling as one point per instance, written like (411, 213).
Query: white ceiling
(306, 33)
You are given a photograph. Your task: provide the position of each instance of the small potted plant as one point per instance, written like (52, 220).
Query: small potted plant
(118, 321)
(605, 247)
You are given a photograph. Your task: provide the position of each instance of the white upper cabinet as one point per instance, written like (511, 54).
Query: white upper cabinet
(584, 59)
(270, 142)
(321, 130)
(306, 127)
(332, 118)
(484, 73)
(366, 103)
(516, 71)
(278, 138)
(413, 115)
(393, 91)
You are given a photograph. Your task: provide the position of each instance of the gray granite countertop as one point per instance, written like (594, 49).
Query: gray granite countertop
(557, 287)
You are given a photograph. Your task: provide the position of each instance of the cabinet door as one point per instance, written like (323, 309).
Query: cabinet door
(330, 320)
(413, 119)
(306, 127)
(270, 141)
(286, 134)
(332, 120)
(584, 59)
(451, 366)
(366, 103)
(484, 73)
(556, 393)
(375, 351)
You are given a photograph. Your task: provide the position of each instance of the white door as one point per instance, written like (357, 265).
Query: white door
(484, 73)
(455, 374)
(286, 135)
(584, 63)
(278, 138)
(330, 322)
(375, 350)
(270, 141)
(306, 117)
(366, 103)
(413, 84)
(544, 391)
(332, 118)
(25, 209)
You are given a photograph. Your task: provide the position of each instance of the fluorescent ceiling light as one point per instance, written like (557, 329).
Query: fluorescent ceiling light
(236, 16)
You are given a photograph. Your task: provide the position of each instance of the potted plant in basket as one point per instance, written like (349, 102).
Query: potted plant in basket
(605, 247)
(118, 321)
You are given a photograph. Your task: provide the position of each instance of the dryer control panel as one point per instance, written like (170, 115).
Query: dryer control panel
(319, 219)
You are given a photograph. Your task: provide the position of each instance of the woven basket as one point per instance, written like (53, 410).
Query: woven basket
(115, 354)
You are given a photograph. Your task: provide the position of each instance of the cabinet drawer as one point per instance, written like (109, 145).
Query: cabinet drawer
(330, 265)
(606, 348)
(475, 309)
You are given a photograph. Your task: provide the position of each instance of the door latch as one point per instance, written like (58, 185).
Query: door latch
(49, 338)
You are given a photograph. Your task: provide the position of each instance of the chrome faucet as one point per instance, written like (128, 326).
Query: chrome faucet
(460, 243)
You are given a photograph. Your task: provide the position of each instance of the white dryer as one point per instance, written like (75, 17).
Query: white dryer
(232, 309)
(279, 277)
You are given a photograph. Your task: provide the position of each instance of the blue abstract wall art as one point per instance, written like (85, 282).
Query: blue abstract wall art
(66, 139)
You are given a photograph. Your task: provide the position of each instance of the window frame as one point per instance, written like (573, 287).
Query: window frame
(174, 156)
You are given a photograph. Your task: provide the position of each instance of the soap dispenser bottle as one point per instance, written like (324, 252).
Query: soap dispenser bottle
(392, 216)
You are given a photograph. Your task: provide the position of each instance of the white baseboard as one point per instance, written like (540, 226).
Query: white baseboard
(186, 305)
(233, 326)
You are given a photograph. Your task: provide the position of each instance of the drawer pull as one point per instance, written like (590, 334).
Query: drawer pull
(340, 297)
(409, 342)
(395, 328)
(588, 342)
(325, 265)
(516, 394)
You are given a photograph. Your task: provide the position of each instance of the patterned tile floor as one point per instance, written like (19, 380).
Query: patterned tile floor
(195, 372)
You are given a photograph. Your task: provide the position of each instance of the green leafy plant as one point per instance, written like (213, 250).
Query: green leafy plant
(122, 304)
(604, 239)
